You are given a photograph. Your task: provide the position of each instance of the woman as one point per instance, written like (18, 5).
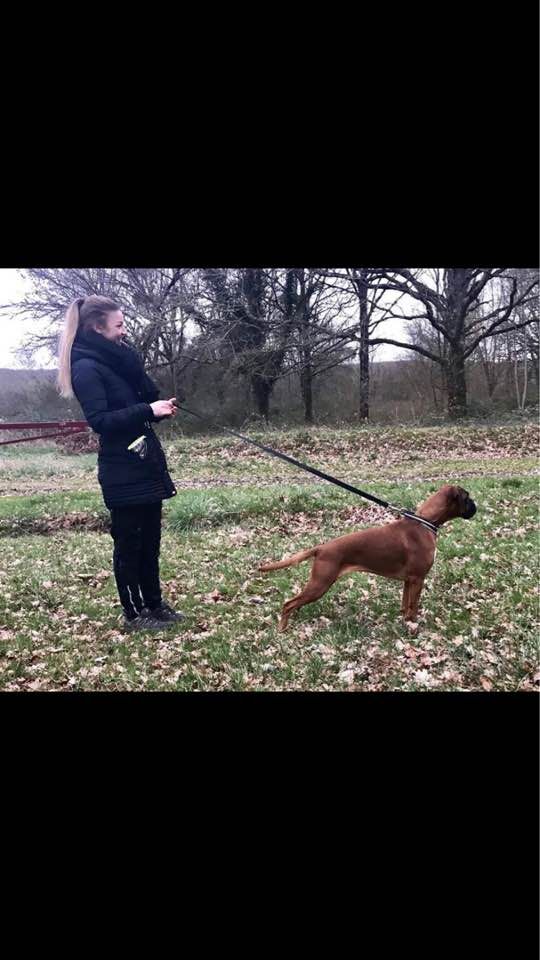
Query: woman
(120, 401)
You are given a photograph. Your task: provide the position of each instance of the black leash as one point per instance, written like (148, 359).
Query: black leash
(319, 473)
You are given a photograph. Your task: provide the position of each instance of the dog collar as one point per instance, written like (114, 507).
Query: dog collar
(425, 523)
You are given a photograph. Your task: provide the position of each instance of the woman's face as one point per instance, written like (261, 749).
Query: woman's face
(114, 329)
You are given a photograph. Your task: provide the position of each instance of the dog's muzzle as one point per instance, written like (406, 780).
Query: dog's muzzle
(470, 510)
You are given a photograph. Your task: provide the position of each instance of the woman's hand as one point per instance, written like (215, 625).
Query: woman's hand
(164, 408)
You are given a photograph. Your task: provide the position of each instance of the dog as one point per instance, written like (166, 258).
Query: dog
(401, 550)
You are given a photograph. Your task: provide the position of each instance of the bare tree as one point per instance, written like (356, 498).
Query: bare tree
(491, 355)
(521, 342)
(370, 296)
(316, 346)
(450, 301)
(252, 328)
(241, 323)
(522, 345)
(266, 324)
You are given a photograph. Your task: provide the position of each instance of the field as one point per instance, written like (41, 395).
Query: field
(60, 624)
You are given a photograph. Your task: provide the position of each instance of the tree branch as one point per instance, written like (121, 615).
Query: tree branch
(408, 346)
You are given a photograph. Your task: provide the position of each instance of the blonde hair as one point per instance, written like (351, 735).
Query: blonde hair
(83, 314)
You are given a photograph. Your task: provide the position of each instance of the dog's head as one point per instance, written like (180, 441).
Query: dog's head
(448, 503)
(460, 503)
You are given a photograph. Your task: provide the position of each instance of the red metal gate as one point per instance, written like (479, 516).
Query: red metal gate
(67, 428)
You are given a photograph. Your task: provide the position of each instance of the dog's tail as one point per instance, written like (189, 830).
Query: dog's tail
(291, 561)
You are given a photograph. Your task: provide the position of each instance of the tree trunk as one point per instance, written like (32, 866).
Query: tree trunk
(219, 386)
(306, 372)
(456, 384)
(516, 378)
(525, 381)
(490, 372)
(306, 383)
(306, 359)
(262, 391)
(174, 379)
(534, 361)
(521, 394)
(363, 357)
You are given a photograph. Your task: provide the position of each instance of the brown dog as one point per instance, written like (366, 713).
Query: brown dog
(401, 550)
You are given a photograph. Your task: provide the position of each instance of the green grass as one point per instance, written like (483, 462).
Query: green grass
(59, 614)
(44, 505)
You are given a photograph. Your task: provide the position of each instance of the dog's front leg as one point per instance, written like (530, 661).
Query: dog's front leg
(415, 585)
(405, 598)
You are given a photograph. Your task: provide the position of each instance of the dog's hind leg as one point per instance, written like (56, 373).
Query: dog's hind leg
(323, 575)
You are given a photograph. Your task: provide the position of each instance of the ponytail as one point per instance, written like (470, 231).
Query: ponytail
(85, 313)
(69, 332)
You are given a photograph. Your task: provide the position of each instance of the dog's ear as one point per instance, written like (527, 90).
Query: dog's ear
(459, 495)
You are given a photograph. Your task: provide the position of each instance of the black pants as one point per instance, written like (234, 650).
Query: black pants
(136, 532)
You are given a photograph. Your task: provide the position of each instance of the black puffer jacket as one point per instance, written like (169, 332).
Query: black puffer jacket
(115, 394)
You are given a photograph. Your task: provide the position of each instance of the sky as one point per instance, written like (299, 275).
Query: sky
(12, 287)
(12, 332)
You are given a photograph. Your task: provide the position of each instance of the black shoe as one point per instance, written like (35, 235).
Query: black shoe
(164, 614)
(144, 623)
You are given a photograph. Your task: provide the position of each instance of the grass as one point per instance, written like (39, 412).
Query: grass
(59, 613)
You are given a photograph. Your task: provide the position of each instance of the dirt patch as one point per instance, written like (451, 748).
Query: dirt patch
(83, 442)
(19, 526)
(26, 487)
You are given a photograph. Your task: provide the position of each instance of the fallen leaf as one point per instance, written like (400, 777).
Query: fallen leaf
(422, 676)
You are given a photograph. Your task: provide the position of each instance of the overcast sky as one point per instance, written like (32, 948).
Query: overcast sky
(12, 332)
(12, 287)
